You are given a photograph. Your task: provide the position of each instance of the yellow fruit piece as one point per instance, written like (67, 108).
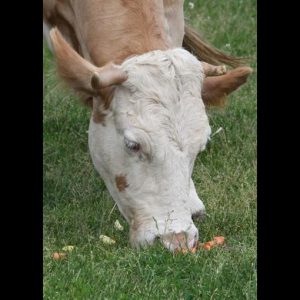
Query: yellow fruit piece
(68, 248)
(107, 240)
(118, 226)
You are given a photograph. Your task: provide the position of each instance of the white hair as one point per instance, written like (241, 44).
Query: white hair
(164, 88)
(160, 108)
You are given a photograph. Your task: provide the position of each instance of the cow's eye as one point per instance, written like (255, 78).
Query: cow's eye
(131, 145)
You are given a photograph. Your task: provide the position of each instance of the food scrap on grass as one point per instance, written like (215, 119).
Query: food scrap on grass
(107, 240)
(217, 241)
(118, 226)
(62, 255)
(59, 255)
(68, 248)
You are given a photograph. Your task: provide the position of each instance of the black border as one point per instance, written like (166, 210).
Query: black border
(277, 155)
(22, 136)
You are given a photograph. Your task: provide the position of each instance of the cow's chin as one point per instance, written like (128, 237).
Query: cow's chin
(177, 236)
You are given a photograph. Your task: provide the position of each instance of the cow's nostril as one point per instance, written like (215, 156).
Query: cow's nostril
(200, 215)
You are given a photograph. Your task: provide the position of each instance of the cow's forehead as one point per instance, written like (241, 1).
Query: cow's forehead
(164, 76)
(162, 66)
(162, 93)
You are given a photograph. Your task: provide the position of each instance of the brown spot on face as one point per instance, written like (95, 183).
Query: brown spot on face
(101, 104)
(99, 117)
(121, 183)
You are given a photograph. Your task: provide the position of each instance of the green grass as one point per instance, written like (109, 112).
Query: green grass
(78, 208)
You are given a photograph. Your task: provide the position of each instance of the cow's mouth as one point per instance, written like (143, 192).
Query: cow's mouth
(179, 241)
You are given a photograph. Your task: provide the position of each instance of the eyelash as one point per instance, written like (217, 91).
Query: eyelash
(132, 146)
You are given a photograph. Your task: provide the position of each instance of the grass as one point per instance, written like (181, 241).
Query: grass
(78, 208)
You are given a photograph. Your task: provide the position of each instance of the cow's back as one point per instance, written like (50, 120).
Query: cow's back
(104, 31)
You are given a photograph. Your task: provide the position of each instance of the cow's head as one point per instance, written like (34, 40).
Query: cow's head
(147, 127)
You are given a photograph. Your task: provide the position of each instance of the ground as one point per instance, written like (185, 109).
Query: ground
(78, 207)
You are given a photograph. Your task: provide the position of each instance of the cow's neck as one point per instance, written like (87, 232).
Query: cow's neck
(114, 30)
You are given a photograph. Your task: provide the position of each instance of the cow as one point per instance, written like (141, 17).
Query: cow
(148, 98)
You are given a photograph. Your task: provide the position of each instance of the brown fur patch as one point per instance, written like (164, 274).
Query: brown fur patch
(101, 104)
(106, 96)
(135, 27)
(57, 14)
(121, 183)
(99, 117)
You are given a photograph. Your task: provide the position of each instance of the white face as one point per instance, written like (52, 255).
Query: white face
(145, 153)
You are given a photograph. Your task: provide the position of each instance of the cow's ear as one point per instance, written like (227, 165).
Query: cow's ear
(215, 89)
(80, 74)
